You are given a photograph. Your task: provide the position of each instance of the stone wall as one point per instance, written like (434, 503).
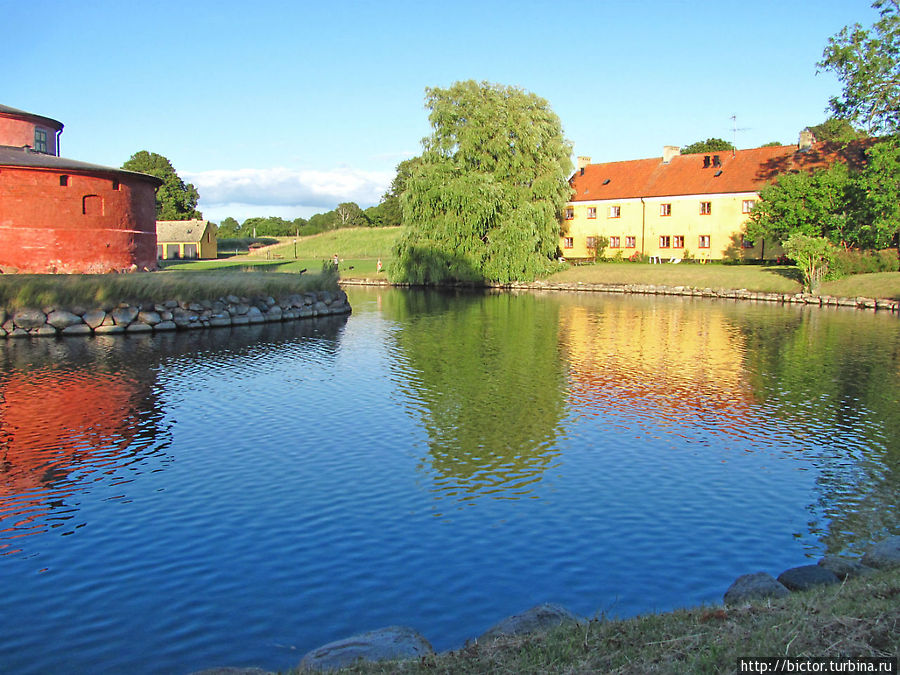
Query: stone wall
(144, 317)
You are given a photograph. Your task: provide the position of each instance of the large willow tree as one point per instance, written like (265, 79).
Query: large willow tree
(485, 200)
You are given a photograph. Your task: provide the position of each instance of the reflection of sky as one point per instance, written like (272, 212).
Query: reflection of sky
(297, 504)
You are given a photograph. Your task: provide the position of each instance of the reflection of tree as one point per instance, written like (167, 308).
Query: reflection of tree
(833, 377)
(488, 370)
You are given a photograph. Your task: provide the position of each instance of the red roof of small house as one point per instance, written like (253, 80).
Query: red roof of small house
(741, 171)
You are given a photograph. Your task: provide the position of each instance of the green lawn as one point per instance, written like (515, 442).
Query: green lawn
(359, 249)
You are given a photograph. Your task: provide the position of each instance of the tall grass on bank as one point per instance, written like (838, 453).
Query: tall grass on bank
(860, 617)
(95, 290)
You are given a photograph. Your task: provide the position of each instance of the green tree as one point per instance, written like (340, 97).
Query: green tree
(709, 145)
(229, 228)
(772, 144)
(175, 199)
(835, 130)
(818, 204)
(392, 214)
(348, 214)
(485, 200)
(813, 255)
(878, 187)
(867, 62)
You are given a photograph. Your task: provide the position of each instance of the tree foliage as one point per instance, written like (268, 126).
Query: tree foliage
(813, 255)
(814, 204)
(709, 145)
(867, 62)
(175, 199)
(835, 130)
(485, 199)
(348, 214)
(851, 209)
(392, 214)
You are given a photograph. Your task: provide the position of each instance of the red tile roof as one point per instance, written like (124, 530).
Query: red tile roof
(744, 171)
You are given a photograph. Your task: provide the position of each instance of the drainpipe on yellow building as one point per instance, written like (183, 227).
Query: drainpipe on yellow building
(643, 223)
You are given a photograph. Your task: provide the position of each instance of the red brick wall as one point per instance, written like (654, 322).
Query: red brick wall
(47, 227)
(17, 133)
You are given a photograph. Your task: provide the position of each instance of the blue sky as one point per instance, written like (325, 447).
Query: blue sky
(287, 108)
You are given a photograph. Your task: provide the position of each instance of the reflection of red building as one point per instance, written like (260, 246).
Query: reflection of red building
(52, 427)
(62, 215)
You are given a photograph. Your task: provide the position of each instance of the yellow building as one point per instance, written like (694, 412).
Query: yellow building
(186, 239)
(680, 206)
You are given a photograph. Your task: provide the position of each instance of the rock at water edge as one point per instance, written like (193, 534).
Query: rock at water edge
(538, 618)
(393, 642)
(754, 587)
(807, 576)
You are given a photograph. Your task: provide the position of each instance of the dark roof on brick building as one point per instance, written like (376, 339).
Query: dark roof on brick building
(7, 111)
(27, 158)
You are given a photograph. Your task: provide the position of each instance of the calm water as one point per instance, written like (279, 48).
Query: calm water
(237, 497)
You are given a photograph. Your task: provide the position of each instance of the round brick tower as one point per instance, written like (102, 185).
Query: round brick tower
(60, 215)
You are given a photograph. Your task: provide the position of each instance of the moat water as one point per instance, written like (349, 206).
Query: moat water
(240, 496)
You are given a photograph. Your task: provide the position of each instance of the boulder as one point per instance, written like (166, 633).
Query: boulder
(61, 319)
(393, 642)
(29, 318)
(77, 329)
(539, 618)
(94, 317)
(124, 315)
(754, 587)
(165, 325)
(107, 330)
(138, 327)
(884, 554)
(807, 576)
(845, 568)
(149, 317)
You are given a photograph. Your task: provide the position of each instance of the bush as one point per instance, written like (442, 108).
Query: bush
(850, 262)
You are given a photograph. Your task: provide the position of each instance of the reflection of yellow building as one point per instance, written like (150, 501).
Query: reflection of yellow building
(674, 362)
(677, 206)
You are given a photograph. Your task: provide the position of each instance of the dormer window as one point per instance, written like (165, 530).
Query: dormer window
(40, 140)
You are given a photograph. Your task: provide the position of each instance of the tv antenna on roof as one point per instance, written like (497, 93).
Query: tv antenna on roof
(734, 130)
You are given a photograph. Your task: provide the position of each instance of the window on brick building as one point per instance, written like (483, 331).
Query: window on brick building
(665, 241)
(630, 242)
(592, 212)
(705, 208)
(615, 211)
(63, 181)
(614, 242)
(665, 209)
(568, 242)
(40, 140)
(92, 205)
(703, 241)
(677, 241)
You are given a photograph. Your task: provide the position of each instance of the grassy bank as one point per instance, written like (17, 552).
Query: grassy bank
(350, 243)
(860, 617)
(93, 290)
(760, 278)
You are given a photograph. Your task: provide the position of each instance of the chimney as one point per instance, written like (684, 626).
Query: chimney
(716, 161)
(670, 151)
(583, 162)
(806, 140)
(705, 161)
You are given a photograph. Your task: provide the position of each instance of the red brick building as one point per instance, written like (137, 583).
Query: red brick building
(60, 215)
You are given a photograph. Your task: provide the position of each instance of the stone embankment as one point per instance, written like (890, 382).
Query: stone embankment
(879, 304)
(145, 317)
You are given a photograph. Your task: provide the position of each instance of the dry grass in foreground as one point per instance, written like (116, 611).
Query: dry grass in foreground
(860, 617)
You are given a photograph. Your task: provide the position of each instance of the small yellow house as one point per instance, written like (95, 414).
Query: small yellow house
(680, 206)
(186, 239)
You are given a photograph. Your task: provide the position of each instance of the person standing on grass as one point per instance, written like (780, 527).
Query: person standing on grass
(334, 260)
(378, 266)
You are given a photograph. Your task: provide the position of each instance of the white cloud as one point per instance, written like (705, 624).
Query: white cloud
(277, 190)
